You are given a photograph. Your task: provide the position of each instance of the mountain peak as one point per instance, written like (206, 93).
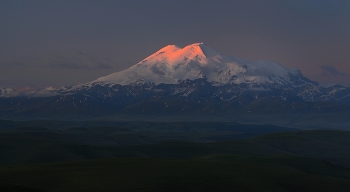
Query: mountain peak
(200, 49)
(173, 54)
(196, 45)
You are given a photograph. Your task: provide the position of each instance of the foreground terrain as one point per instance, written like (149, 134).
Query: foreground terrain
(214, 173)
(170, 156)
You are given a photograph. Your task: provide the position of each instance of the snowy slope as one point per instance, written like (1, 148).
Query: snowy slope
(198, 68)
(172, 64)
(5, 92)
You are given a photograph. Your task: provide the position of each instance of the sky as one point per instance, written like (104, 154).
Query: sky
(63, 42)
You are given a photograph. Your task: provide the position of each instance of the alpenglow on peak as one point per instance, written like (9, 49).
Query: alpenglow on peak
(172, 64)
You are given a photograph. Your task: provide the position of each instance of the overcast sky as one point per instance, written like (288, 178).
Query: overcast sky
(63, 42)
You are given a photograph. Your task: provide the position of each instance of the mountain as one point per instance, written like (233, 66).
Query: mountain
(194, 79)
(172, 64)
(5, 92)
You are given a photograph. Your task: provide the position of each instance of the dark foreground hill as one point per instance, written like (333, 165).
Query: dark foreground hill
(171, 156)
(39, 144)
(228, 173)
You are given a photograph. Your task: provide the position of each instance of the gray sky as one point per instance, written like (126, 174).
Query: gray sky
(63, 42)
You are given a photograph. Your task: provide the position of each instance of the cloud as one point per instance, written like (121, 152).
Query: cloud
(102, 66)
(12, 64)
(67, 63)
(79, 60)
(331, 70)
(24, 89)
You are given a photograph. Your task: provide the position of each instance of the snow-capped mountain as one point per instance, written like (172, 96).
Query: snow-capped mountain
(172, 64)
(5, 92)
(179, 80)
